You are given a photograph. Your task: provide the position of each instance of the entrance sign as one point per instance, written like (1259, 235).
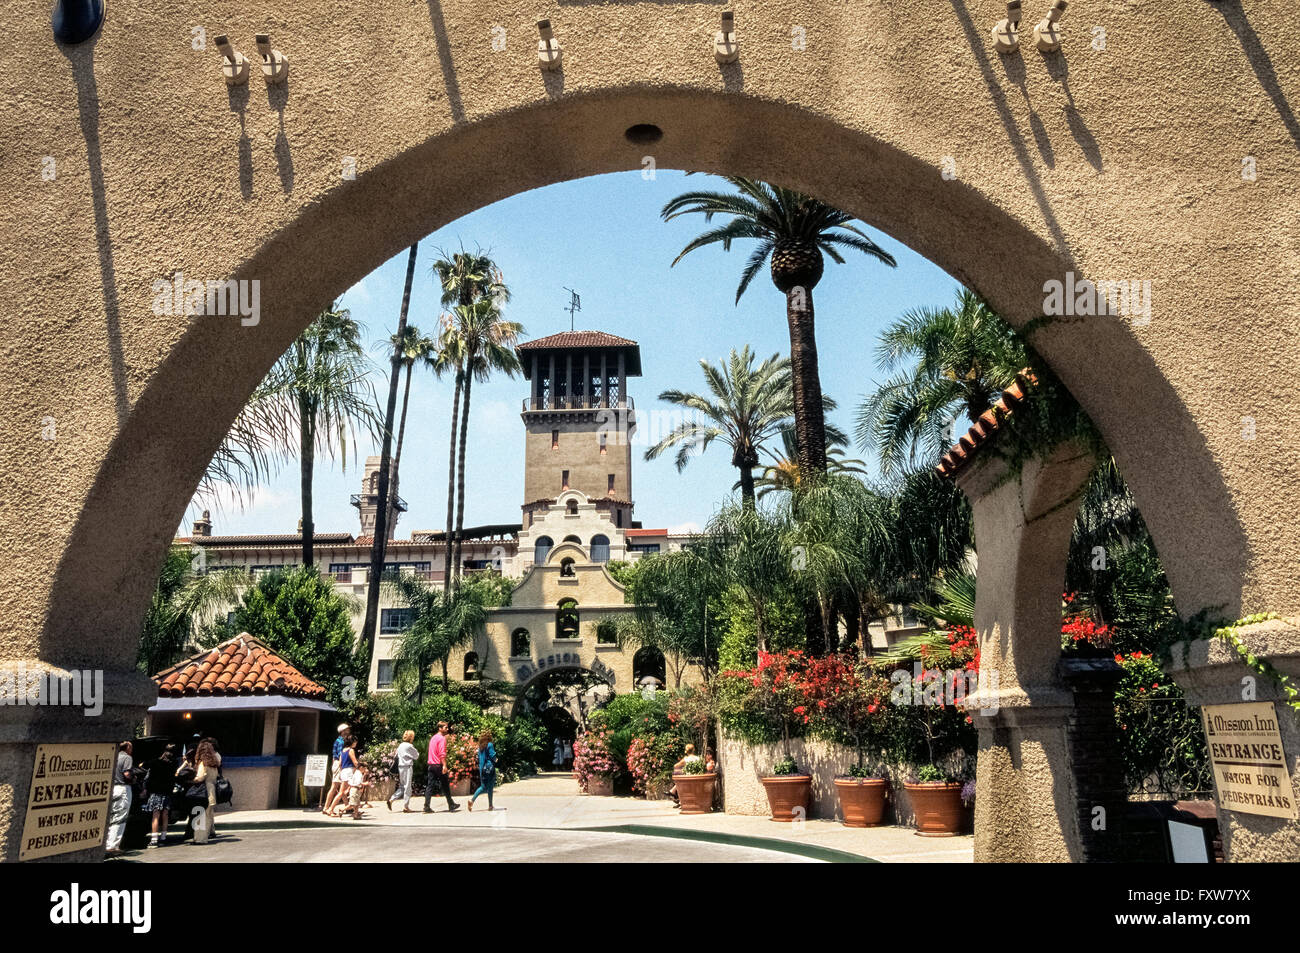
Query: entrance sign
(1250, 768)
(67, 806)
(314, 775)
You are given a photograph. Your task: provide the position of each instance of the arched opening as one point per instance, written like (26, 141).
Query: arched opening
(566, 566)
(520, 643)
(572, 507)
(573, 539)
(648, 664)
(472, 672)
(600, 548)
(563, 697)
(542, 549)
(566, 619)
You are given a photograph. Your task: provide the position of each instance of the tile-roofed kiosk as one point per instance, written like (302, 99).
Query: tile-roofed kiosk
(263, 711)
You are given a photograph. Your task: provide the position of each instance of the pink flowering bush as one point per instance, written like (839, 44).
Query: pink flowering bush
(592, 757)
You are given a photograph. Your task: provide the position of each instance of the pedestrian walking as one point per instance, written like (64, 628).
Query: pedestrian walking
(207, 762)
(349, 776)
(558, 759)
(438, 780)
(120, 803)
(158, 790)
(406, 755)
(568, 754)
(336, 786)
(487, 769)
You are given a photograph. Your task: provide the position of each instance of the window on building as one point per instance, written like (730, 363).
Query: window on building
(643, 547)
(573, 504)
(566, 567)
(555, 440)
(230, 618)
(564, 480)
(602, 445)
(618, 518)
(521, 643)
(600, 549)
(606, 633)
(387, 672)
(542, 549)
(566, 619)
(610, 488)
(471, 666)
(393, 621)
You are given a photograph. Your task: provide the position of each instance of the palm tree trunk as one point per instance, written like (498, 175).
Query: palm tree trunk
(401, 435)
(306, 461)
(809, 415)
(380, 542)
(747, 486)
(460, 473)
(445, 684)
(451, 485)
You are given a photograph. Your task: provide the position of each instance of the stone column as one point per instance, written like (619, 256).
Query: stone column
(1026, 802)
(125, 695)
(1211, 672)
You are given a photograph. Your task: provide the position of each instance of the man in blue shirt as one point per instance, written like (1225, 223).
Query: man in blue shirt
(336, 788)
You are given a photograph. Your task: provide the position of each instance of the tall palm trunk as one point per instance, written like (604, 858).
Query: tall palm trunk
(306, 463)
(810, 424)
(401, 435)
(451, 484)
(380, 543)
(460, 473)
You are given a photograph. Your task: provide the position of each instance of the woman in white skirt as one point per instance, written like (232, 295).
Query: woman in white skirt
(406, 755)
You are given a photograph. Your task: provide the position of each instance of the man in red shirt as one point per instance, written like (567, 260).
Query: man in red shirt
(437, 780)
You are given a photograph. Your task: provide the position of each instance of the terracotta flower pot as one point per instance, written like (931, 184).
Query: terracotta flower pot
(462, 788)
(862, 800)
(601, 785)
(938, 808)
(787, 793)
(695, 792)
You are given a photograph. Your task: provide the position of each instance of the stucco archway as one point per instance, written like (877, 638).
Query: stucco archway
(1122, 165)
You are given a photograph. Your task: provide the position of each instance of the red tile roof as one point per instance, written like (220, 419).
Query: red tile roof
(241, 666)
(989, 423)
(577, 339)
(645, 532)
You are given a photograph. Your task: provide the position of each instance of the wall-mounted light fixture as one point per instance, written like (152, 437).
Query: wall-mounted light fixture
(275, 65)
(549, 53)
(1046, 35)
(234, 65)
(1006, 32)
(725, 47)
(76, 21)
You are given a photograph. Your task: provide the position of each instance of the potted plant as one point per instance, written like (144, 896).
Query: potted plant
(936, 802)
(775, 693)
(593, 764)
(848, 702)
(460, 763)
(695, 787)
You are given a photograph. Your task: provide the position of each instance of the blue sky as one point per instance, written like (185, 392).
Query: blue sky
(603, 237)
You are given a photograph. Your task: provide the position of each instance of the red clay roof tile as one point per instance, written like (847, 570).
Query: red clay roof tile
(987, 426)
(241, 666)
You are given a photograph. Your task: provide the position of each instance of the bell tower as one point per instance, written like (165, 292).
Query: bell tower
(578, 420)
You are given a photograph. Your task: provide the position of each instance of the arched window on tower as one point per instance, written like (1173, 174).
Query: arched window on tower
(520, 643)
(566, 566)
(600, 548)
(542, 549)
(566, 619)
(471, 666)
(573, 507)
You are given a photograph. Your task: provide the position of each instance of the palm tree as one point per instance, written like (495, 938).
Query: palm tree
(745, 406)
(793, 230)
(413, 347)
(464, 277)
(185, 600)
(486, 344)
(443, 621)
(750, 548)
(949, 363)
(783, 473)
(321, 387)
(379, 543)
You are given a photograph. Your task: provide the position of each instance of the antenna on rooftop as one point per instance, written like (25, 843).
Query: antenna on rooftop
(575, 304)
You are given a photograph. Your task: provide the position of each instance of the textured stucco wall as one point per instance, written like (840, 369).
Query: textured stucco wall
(1123, 163)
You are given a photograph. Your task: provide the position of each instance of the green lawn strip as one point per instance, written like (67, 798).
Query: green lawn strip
(813, 851)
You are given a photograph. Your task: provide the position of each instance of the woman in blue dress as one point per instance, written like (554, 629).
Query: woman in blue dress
(487, 769)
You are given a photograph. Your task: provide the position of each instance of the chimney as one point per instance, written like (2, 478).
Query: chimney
(203, 525)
